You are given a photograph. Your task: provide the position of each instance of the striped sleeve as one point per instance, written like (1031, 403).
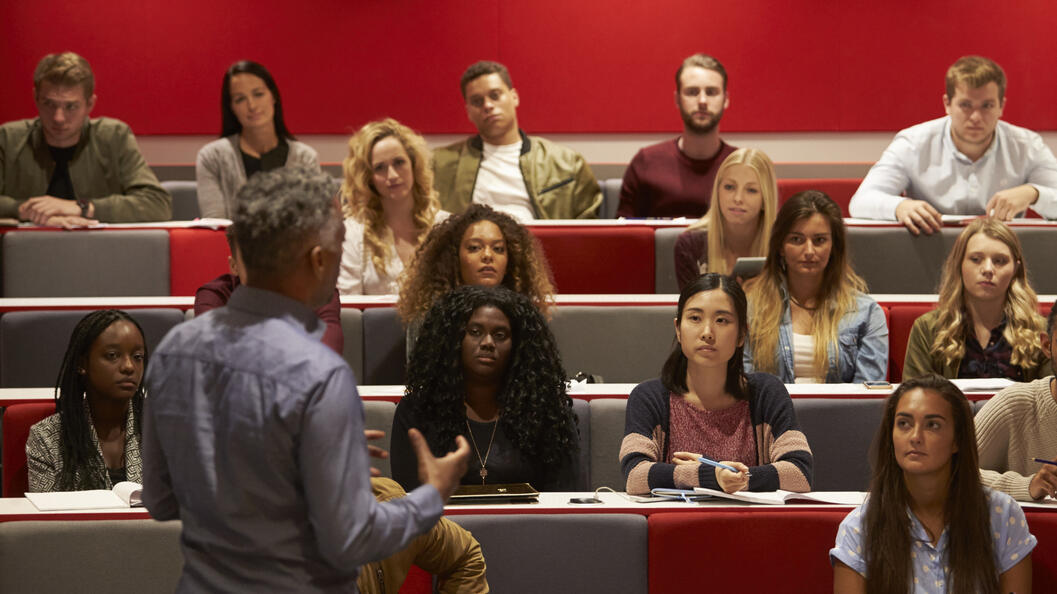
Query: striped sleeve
(784, 456)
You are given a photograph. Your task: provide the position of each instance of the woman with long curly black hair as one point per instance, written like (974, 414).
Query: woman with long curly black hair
(486, 366)
(93, 439)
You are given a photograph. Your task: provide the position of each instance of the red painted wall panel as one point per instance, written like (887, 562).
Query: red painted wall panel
(593, 66)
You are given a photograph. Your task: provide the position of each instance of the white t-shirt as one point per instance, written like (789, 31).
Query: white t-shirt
(804, 371)
(500, 184)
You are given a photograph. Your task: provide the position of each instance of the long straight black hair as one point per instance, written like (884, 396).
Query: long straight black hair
(229, 123)
(673, 374)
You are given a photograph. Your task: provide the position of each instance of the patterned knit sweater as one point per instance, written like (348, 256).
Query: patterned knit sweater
(783, 457)
(1015, 426)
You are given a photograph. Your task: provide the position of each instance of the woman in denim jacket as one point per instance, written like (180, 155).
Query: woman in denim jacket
(810, 319)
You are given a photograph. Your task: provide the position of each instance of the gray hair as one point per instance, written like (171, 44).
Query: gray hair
(277, 211)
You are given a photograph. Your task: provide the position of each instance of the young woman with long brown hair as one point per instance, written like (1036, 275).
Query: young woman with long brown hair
(929, 525)
(810, 319)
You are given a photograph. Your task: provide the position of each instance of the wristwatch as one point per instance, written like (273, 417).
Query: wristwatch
(84, 203)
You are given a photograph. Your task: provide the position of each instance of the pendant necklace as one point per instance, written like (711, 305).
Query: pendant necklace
(484, 461)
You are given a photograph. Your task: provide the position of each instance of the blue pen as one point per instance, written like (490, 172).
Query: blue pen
(705, 460)
(1041, 461)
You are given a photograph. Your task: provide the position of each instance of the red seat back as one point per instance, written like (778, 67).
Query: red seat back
(839, 189)
(586, 260)
(901, 321)
(196, 256)
(18, 418)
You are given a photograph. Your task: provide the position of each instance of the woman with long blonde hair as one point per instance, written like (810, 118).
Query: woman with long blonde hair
(389, 204)
(810, 319)
(986, 323)
(739, 219)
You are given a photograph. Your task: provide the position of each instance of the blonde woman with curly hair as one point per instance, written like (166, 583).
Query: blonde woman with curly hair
(810, 319)
(739, 220)
(389, 203)
(986, 323)
(480, 247)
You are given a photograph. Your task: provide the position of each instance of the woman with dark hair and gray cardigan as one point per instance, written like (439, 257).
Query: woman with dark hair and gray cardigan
(253, 138)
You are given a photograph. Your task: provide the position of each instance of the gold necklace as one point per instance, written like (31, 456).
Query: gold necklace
(484, 462)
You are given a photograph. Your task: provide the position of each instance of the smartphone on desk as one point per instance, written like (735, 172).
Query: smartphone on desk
(877, 385)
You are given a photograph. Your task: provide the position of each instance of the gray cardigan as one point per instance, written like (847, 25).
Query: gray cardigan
(220, 173)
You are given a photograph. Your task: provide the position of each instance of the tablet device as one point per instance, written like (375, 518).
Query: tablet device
(748, 267)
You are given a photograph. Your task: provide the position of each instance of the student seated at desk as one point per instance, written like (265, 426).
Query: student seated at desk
(986, 322)
(486, 367)
(704, 404)
(389, 205)
(253, 138)
(448, 551)
(481, 247)
(738, 222)
(928, 524)
(93, 440)
(811, 320)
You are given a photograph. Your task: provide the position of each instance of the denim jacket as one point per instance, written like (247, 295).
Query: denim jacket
(863, 338)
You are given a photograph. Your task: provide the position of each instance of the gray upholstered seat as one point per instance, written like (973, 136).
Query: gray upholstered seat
(184, 199)
(32, 343)
(610, 197)
(607, 431)
(130, 263)
(840, 432)
(623, 344)
(891, 260)
(352, 332)
(384, 347)
(582, 410)
(664, 256)
(378, 414)
(90, 556)
(582, 553)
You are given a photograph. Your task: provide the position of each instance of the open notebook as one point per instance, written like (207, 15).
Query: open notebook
(123, 495)
(781, 497)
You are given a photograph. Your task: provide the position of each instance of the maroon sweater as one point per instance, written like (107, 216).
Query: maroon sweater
(216, 293)
(661, 181)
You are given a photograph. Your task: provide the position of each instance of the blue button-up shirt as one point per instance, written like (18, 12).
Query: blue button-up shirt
(253, 437)
(1009, 529)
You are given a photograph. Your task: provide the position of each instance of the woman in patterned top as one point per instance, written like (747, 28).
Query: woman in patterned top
(93, 440)
(929, 525)
(986, 323)
(705, 404)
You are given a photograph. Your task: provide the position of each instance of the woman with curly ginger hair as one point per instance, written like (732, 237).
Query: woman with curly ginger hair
(390, 205)
(481, 247)
(486, 367)
(986, 322)
(928, 524)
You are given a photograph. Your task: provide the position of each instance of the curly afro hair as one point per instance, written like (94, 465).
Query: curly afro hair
(435, 268)
(535, 411)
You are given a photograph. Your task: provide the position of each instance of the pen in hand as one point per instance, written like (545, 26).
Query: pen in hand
(705, 460)
(1042, 461)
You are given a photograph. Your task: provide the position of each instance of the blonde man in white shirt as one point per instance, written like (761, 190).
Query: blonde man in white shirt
(967, 163)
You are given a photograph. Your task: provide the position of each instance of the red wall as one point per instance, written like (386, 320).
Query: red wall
(579, 66)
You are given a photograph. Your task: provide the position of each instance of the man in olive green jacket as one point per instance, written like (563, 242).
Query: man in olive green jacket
(524, 176)
(63, 169)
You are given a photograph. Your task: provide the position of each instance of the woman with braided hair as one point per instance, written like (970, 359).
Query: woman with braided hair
(486, 367)
(93, 440)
